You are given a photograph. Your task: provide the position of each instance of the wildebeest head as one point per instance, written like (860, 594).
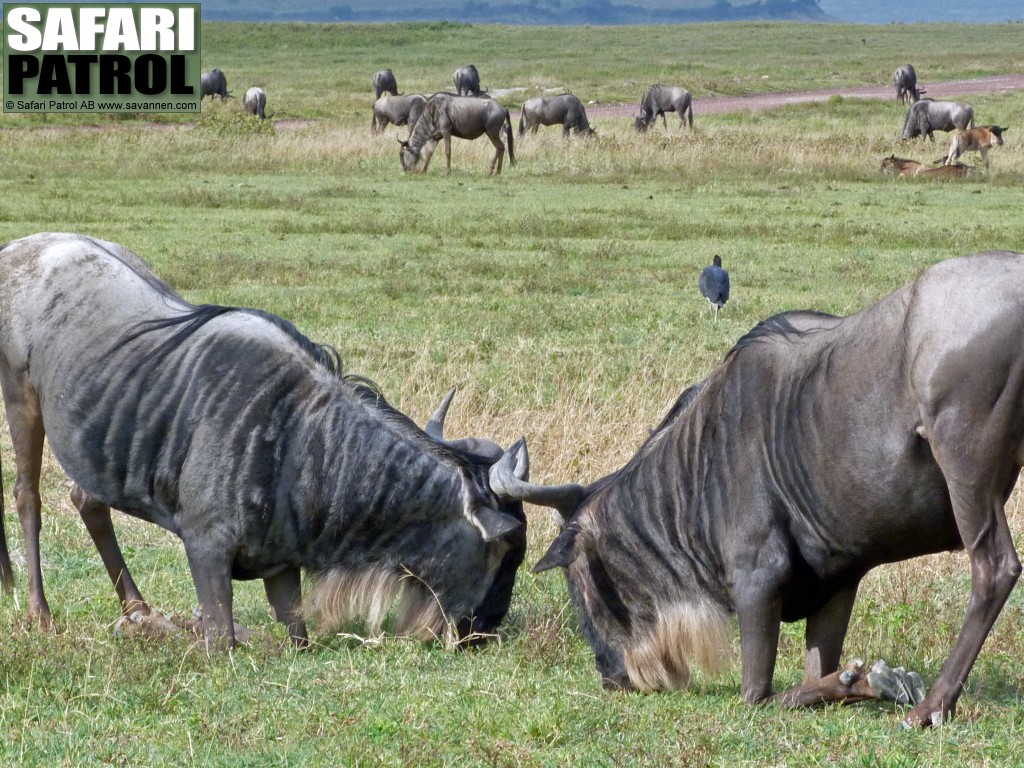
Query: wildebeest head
(635, 644)
(415, 159)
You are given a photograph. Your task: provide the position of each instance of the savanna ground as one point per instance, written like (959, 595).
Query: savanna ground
(561, 298)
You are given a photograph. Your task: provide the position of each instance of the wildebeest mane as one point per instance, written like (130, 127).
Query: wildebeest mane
(189, 322)
(777, 326)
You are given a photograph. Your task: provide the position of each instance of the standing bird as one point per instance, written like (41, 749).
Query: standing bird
(714, 285)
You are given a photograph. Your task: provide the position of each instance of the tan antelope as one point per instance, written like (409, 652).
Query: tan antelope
(979, 139)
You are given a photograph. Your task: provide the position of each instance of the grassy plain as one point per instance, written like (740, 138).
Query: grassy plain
(561, 298)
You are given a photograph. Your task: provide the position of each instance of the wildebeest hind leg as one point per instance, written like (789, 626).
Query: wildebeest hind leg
(284, 591)
(27, 434)
(978, 497)
(96, 517)
(499, 153)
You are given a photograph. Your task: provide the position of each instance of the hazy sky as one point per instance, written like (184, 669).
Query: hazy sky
(909, 11)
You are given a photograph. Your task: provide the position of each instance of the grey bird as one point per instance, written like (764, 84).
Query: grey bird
(714, 284)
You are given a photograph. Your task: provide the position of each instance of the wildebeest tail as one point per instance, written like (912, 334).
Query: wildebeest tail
(508, 130)
(6, 573)
(522, 124)
(689, 113)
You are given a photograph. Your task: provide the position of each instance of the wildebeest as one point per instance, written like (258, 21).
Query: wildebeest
(467, 81)
(714, 284)
(384, 82)
(820, 448)
(255, 102)
(979, 139)
(236, 432)
(660, 99)
(565, 110)
(398, 110)
(463, 117)
(213, 83)
(905, 80)
(927, 115)
(903, 167)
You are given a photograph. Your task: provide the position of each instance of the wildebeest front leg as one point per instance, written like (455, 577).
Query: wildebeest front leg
(211, 572)
(448, 154)
(284, 591)
(823, 681)
(760, 618)
(96, 517)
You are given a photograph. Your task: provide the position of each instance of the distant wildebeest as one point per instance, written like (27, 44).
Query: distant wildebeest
(905, 80)
(255, 102)
(398, 110)
(660, 99)
(467, 81)
(231, 429)
(384, 82)
(979, 139)
(463, 117)
(819, 449)
(902, 167)
(565, 110)
(927, 115)
(714, 284)
(213, 83)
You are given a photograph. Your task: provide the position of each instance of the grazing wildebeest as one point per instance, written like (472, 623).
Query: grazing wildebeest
(236, 432)
(902, 167)
(905, 80)
(564, 110)
(398, 110)
(467, 81)
(979, 139)
(463, 117)
(714, 284)
(820, 448)
(927, 115)
(213, 83)
(255, 102)
(660, 99)
(384, 82)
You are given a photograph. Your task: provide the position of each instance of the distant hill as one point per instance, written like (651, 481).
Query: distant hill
(548, 12)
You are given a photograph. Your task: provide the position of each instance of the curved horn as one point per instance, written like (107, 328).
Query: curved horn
(507, 481)
(435, 424)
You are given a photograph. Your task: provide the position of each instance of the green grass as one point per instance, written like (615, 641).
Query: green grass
(561, 298)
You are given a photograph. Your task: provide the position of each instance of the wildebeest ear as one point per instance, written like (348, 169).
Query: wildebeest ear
(494, 524)
(562, 551)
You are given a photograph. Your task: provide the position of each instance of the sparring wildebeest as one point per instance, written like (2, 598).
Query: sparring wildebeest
(905, 80)
(467, 81)
(213, 83)
(463, 117)
(979, 139)
(565, 110)
(660, 99)
(903, 167)
(398, 110)
(231, 429)
(927, 115)
(255, 102)
(714, 284)
(820, 448)
(384, 82)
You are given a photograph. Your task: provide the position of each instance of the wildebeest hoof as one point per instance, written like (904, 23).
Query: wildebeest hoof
(853, 672)
(896, 685)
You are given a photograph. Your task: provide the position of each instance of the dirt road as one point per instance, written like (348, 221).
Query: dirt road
(716, 104)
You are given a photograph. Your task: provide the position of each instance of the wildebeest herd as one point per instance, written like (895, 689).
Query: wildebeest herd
(820, 448)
